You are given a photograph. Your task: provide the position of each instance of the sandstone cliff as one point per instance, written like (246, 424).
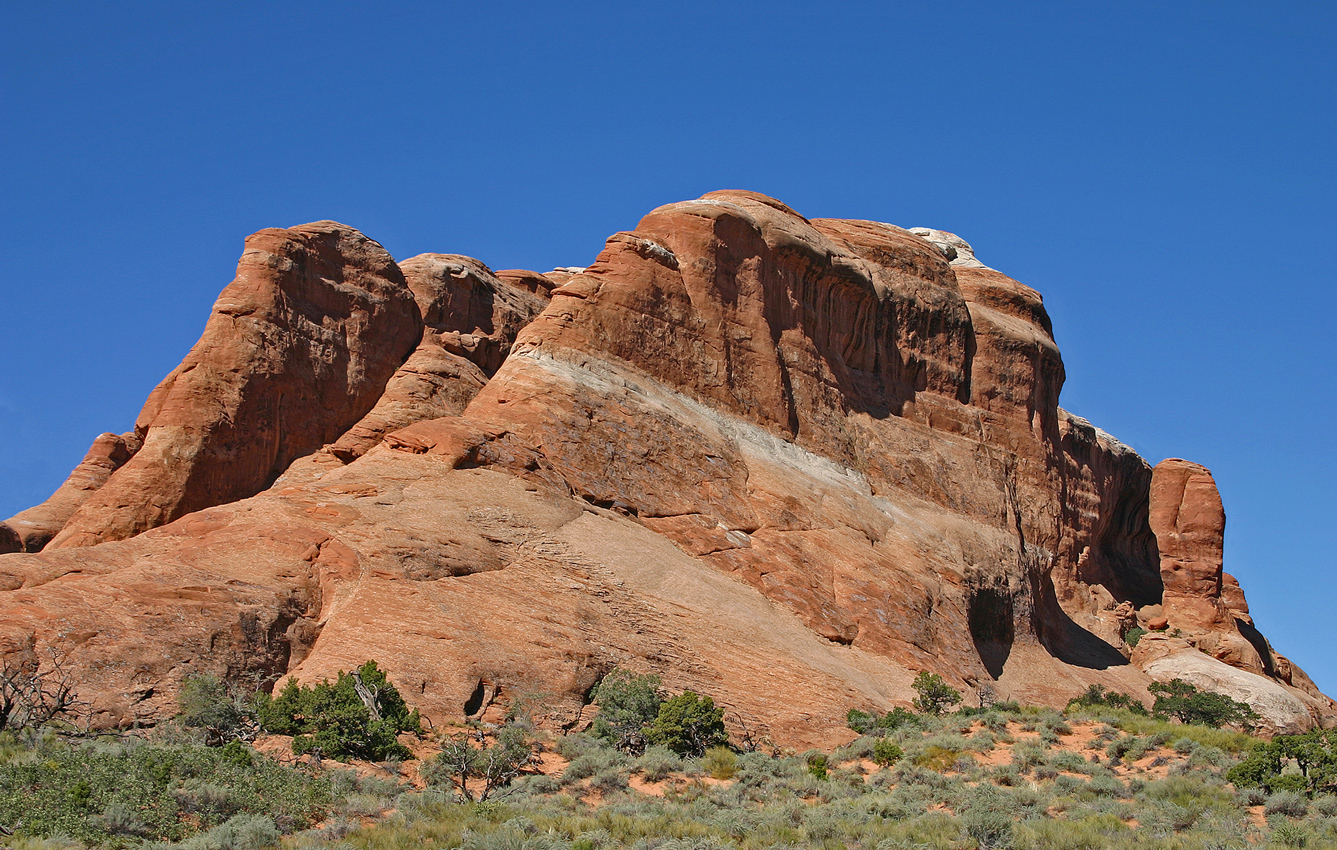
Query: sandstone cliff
(785, 462)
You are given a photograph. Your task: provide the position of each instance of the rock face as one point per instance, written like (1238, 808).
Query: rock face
(1201, 602)
(738, 441)
(471, 318)
(1189, 522)
(298, 348)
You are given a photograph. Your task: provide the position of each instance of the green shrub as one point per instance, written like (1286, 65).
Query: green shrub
(658, 763)
(608, 782)
(1097, 696)
(886, 753)
(988, 819)
(1306, 762)
(1180, 699)
(243, 832)
(1290, 835)
(935, 758)
(95, 793)
(688, 725)
(1288, 803)
(1133, 635)
(934, 695)
(870, 723)
(224, 711)
(818, 764)
(628, 704)
(1326, 805)
(357, 716)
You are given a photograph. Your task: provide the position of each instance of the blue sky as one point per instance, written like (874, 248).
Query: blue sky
(1162, 173)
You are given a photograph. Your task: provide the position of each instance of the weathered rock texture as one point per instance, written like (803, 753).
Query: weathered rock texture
(1200, 601)
(785, 462)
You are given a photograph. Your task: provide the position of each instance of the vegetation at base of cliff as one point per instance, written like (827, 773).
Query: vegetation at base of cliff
(996, 777)
(633, 714)
(1013, 779)
(128, 790)
(356, 716)
(1097, 696)
(932, 694)
(475, 767)
(1180, 699)
(1305, 763)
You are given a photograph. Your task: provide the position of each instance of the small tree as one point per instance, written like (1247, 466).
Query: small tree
(31, 697)
(689, 725)
(628, 703)
(496, 765)
(1097, 696)
(935, 695)
(226, 712)
(1180, 699)
(1313, 755)
(356, 716)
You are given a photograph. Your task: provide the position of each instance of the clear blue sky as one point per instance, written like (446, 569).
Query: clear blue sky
(1162, 172)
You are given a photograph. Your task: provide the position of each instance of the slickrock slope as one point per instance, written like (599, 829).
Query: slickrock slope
(785, 462)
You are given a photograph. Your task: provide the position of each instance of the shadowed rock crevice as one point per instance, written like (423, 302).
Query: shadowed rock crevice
(990, 616)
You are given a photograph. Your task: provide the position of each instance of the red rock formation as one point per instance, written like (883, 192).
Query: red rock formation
(475, 314)
(1189, 522)
(739, 441)
(298, 348)
(471, 318)
(37, 525)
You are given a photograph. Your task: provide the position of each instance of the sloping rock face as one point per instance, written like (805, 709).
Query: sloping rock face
(785, 462)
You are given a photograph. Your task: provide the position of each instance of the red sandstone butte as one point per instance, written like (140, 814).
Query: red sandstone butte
(786, 462)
